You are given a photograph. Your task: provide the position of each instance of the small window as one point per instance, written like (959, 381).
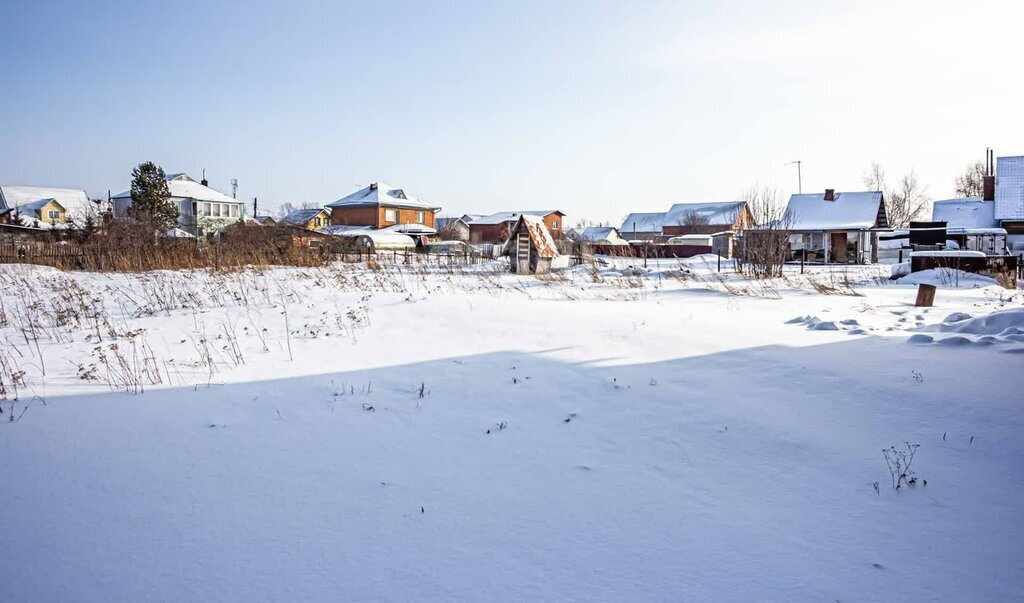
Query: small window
(421, 217)
(554, 225)
(216, 210)
(54, 214)
(205, 209)
(390, 215)
(234, 211)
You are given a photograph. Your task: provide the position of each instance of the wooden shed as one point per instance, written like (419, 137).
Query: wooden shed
(530, 248)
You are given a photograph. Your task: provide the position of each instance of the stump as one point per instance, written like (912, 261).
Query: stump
(925, 296)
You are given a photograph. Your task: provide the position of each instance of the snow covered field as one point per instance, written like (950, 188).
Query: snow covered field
(607, 433)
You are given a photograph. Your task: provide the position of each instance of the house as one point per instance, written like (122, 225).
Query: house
(309, 219)
(835, 227)
(1009, 200)
(455, 229)
(45, 207)
(497, 227)
(530, 247)
(706, 218)
(602, 235)
(265, 219)
(379, 205)
(201, 209)
(643, 226)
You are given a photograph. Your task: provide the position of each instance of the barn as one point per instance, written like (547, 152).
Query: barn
(530, 248)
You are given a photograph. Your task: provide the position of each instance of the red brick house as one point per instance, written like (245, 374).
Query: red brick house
(378, 205)
(496, 228)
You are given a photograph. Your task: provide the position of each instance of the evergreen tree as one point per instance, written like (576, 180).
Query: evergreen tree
(151, 199)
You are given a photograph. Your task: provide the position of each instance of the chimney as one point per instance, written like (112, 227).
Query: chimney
(203, 181)
(830, 194)
(254, 206)
(373, 186)
(988, 188)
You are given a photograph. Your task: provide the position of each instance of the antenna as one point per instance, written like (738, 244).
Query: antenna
(799, 176)
(234, 188)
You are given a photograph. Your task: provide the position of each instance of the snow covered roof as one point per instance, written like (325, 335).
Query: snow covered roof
(182, 186)
(643, 222)
(343, 230)
(539, 234)
(718, 213)
(1009, 188)
(378, 194)
(446, 222)
(415, 229)
(600, 233)
(849, 211)
(970, 212)
(511, 216)
(177, 233)
(74, 201)
(299, 217)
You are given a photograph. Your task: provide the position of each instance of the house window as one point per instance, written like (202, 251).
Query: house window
(421, 217)
(390, 215)
(205, 209)
(54, 214)
(234, 211)
(554, 225)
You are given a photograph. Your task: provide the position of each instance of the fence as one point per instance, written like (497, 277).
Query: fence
(997, 267)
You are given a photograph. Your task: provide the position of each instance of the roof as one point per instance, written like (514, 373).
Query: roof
(344, 230)
(416, 229)
(849, 211)
(718, 213)
(539, 236)
(970, 212)
(643, 222)
(74, 201)
(1009, 188)
(378, 194)
(299, 217)
(599, 233)
(183, 186)
(511, 216)
(446, 222)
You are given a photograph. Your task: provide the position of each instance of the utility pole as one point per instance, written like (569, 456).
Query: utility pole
(799, 176)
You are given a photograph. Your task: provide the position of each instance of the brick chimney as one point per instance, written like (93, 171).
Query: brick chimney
(988, 187)
(373, 186)
(830, 194)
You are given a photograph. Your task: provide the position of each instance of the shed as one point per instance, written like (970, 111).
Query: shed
(530, 248)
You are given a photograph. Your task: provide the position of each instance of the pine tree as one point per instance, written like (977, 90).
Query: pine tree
(151, 199)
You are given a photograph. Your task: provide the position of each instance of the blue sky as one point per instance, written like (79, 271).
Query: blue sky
(595, 108)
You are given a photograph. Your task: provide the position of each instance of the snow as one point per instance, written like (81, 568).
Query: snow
(299, 217)
(75, 202)
(716, 213)
(947, 277)
(643, 222)
(967, 213)
(1010, 188)
(618, 431)
(379, 194)
(603, 234)
(849, 211)
(511, 216)
(182, 186)
(945, 253)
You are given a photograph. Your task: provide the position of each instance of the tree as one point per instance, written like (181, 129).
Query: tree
(906, 203)
(766, 246)
(692, 218)
(972, 182)
(903, 204)
(151, 199)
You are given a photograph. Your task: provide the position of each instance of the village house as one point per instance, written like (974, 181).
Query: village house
(530, 247)
(43, 207)
(309, 219)
(836, 228)
(455, 229)
(643, 226)
(497, 227)
(602, 235)
(201, 209)
(381, 206)
(706, 218)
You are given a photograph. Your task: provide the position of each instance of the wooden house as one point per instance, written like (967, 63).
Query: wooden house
(706, 218)
(836, 228)
(530, 247)
(379, 205)
(497, 227)
(309, 219)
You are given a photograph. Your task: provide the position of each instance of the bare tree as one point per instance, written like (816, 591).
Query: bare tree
(692, 218)
(766, 245)
(972, 182)
(874, 177)
(907, 202)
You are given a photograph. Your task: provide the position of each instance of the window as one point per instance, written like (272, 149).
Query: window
(421, 217)
(216, 210)
(390, 215)
(554, 225)
(54, 214)
(234, 211)
(205, 210)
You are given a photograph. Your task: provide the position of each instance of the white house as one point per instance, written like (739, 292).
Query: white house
(201, 209)
(836, 227)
